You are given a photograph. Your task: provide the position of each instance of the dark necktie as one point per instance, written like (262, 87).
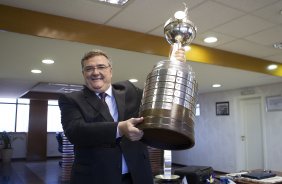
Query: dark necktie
(103, 98)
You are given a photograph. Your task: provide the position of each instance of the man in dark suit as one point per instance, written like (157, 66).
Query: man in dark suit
(100, 121)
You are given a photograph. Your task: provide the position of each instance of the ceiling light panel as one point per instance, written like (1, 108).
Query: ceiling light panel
(115, 2)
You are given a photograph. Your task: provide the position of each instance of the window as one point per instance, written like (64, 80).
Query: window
(22, 115)
(54, 117)
(7, 117)
(14, 114)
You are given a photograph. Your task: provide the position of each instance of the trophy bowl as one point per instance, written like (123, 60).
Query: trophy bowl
(168, 106)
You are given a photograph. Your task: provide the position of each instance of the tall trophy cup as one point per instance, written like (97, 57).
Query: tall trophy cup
(169, 97)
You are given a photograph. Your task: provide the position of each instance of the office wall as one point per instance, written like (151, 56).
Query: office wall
(20, 147)
(218, 138)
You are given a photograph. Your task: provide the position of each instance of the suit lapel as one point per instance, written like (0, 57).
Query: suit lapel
(120, 101)
(96, 103)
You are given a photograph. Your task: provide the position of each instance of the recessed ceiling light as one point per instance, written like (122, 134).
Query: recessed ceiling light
(115, 2)
(216, 85)
(36, 71)
(48, 61)
(272, 67)
(210, 39)
(179, 15)
(187, 48)
(133, 80)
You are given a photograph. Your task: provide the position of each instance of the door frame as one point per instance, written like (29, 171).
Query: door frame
(240, 146)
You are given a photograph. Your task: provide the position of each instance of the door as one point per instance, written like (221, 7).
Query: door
(252, 134)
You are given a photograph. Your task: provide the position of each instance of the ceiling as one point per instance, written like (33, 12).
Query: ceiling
(247, 27)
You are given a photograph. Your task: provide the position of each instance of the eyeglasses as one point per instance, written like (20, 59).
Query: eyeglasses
(99, 68)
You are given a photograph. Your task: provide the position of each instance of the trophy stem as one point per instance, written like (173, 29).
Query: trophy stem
(167, 163)
(175, 47)
(167, 177)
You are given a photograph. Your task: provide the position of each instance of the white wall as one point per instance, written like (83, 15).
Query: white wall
(19, 145)
(52, 145)
(218, 137)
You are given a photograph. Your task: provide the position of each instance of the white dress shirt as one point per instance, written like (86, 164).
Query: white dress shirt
(111, 102)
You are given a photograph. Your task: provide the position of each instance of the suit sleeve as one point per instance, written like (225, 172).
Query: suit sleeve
(133, 100)
(83, 133)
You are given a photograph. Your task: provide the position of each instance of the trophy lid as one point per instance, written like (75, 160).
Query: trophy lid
(180, 29)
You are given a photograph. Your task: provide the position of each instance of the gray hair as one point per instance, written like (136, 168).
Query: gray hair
(93, 53)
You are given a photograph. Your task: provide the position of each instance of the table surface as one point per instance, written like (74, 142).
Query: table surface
(247, 181)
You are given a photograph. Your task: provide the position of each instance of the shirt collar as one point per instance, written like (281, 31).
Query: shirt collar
(109, 91)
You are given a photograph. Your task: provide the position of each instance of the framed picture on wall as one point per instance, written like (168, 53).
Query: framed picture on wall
(274, 103)
(222, 108)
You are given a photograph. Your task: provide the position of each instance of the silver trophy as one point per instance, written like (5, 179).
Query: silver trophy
(169, 97)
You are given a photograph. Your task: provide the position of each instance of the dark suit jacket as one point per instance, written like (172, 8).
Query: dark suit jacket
(90, 127)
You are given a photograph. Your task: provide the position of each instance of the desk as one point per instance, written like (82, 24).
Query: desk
(251, 181)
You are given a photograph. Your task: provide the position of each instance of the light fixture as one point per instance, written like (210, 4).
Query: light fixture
(272, 67)
(180, 15)
(36, 71)
(133, 80)
(48, 61)
(210, 39)
(216, 85)
(278, 45)
(187, 48)
(115, 2)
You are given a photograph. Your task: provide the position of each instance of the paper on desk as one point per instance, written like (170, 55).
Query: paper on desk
(274, 179)
(236, 174)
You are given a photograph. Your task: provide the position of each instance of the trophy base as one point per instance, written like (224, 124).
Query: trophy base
(163, 131)
(162, 179)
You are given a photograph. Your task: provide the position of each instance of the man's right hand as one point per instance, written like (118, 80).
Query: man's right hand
(127, 128)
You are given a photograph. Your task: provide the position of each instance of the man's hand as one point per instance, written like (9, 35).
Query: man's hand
(128, 129)
(180, 55)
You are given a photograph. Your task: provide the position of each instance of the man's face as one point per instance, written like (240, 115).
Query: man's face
(97, 73)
